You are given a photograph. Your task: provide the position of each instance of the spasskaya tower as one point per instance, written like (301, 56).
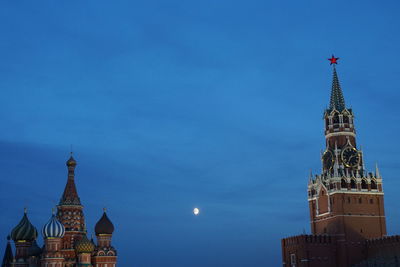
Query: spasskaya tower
(346, 204)
(344, 200)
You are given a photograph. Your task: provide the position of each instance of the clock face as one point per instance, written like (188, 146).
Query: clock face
(350, 157)
(328, 159)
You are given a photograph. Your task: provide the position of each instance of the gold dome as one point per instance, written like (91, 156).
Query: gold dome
(84, 245)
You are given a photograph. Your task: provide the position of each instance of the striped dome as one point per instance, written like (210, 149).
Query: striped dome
(24, 231)
(53, 228)
(84, 245)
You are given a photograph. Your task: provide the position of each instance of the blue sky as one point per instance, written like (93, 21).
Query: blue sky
(172, 105)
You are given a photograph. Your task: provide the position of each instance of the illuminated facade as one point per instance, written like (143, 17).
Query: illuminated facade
(65, 237)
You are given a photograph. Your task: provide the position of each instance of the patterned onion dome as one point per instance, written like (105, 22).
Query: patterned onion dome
(24, 230)
(34, 249)
(104, 225)
(84, 245)
(53, 228)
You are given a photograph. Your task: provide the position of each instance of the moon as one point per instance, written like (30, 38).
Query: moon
(196, 211)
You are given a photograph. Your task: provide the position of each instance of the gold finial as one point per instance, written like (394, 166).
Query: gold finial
(25, 210)
(71, 150)
(104, 209)
(53, 211)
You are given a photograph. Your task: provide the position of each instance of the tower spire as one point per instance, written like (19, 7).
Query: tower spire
(377, 173)
(8, 255)
(70, 195)
(337, 99)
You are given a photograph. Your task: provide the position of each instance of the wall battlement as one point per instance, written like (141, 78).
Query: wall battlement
(309, 239)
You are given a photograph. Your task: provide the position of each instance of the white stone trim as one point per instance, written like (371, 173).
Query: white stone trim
(346, 215)
(339, 134)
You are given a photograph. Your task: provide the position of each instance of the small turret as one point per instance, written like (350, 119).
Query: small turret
(377, 173)
(8, 255)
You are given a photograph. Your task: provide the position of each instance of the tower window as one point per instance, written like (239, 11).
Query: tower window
(343, 184)
(359, 200)
(353, 184)
(373, 185)
(364, 184)
(348, 200)
(336, 118)
(345, 119)
(293, 260)
(371, 201)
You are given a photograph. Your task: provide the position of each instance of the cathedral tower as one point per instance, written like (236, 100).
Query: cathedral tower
(53, 232)
(23, 235)
(105, 254)
(70, 214)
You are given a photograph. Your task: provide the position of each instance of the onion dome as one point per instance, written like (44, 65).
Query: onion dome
(24, 231)
(71, 162)
(104, 225)
(53, 228)
(34, 250)
(84, 245)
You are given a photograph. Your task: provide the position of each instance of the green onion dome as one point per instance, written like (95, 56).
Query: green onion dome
(53, 228)
(84, 245)
(24, 231)
(34, 250)
(104, 225)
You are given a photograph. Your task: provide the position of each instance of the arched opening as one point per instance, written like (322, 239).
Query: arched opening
(343, 184)
(345, 119)
(353, 184)
(364, 184)
(327, 123)
(336, 118)
(373, 185)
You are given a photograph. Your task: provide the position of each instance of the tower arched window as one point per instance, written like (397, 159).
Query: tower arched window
(343, 184)
(373, 184)
(345, 119)
(364, 184)
(353, 184)
(336, 118)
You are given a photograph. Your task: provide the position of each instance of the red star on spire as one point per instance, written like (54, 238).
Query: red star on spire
(333, 59)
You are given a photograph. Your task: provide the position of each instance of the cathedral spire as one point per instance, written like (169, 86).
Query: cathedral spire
(8, 255)
(337, 99)
(70, 195)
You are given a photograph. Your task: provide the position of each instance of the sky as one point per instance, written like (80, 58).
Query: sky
(171, 105)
